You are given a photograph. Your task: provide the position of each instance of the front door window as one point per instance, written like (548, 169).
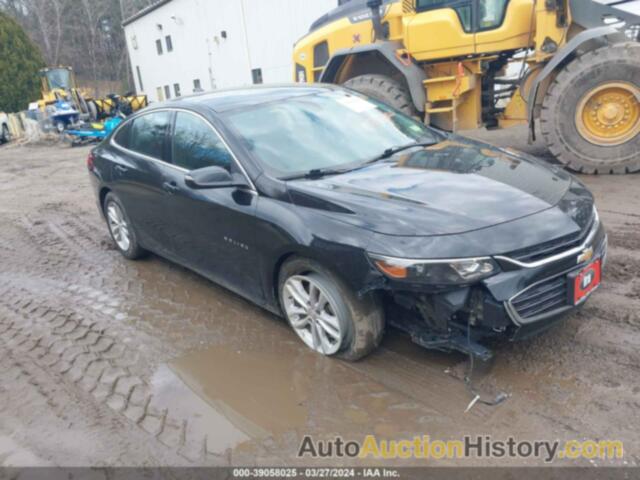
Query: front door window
(196, 145)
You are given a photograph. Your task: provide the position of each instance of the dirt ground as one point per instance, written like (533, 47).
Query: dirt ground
(109, 362)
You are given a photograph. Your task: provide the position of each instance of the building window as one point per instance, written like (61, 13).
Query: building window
(167, 92)
(139, 79)
(169, 43)
(176, 89)
(256, 73)
(159, 46)
(160, 94)
(196, 85)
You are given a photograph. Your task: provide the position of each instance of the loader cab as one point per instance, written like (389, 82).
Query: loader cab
(453, 28)
(60, 78)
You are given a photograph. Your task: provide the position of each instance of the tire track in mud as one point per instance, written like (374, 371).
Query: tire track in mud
(69, 329)
(82, 351)
(82, 325)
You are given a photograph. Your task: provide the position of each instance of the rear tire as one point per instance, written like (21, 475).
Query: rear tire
(360, 320)
(594, 150)
(121, 229)
(385, 89)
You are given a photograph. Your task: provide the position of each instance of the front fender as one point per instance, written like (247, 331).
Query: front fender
(412, 73)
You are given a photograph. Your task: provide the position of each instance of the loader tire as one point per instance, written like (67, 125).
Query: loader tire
(590, 116)
(385, 89)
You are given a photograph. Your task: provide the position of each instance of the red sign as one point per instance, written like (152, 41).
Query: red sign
(586, 281)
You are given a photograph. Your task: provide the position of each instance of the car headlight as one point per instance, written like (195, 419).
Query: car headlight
(436, 272)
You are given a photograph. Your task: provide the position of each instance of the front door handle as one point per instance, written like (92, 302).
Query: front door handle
(171, 187)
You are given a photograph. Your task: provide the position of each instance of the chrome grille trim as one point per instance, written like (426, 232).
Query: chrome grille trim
(560, 256)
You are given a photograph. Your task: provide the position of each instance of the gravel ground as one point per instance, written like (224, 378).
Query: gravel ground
(110, 362)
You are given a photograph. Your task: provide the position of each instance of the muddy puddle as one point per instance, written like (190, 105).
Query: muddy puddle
(260, 392)
(236, 397)
(233, 396)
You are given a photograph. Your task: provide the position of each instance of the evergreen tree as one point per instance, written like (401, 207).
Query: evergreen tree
(20, 61)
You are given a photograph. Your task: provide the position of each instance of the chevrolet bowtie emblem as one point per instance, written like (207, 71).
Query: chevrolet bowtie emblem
(586, 255)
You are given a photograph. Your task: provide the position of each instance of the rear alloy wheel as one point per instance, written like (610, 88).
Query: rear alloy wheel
(118, 226)
(590, 116)
(121, 229)
(325, 314)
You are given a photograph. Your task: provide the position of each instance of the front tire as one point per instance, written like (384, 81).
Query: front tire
(385, 89)
(590, 116)
(327, 316)
(121, 229)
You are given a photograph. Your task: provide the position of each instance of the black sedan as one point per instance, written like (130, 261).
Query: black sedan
(342, 214)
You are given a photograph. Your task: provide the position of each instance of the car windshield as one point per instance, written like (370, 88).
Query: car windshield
(329, 130)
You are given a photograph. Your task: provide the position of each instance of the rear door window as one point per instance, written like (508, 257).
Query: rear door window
(148, 134)
(196, 145)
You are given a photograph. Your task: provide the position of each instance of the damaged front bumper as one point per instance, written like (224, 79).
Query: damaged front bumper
(528, 296)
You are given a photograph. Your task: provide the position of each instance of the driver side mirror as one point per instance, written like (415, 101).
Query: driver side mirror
(211, 177)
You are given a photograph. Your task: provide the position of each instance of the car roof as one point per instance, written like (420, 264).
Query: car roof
(236, 98)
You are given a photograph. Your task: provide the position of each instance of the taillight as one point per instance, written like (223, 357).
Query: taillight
(90, 159)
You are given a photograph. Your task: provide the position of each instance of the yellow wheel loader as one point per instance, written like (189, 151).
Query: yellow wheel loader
(59, 83)
(570, 68)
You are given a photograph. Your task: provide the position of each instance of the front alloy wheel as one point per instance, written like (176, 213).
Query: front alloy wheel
(326, 314)
(312, 314)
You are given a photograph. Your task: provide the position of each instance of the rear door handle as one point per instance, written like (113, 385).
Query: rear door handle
(121, 169)
(171, 187)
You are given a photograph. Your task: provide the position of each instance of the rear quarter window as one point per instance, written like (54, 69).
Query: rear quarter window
(122, 135)
(148, 134)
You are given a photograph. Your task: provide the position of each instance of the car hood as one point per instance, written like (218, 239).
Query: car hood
(456, 186)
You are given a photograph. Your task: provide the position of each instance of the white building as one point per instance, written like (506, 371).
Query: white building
(177, 47)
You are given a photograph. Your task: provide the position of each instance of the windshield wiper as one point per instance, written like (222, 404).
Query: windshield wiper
(390, 152)
(316, 173)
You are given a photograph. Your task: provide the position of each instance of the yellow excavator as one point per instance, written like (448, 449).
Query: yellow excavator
(59, 84)
(569, 69)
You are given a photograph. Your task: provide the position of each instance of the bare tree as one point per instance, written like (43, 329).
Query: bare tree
(85, 34)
